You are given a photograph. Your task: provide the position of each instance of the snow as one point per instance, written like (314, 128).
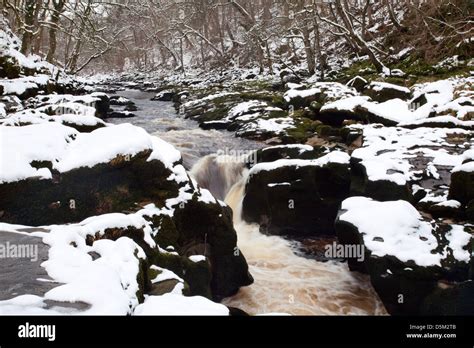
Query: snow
(302, 148)
(458, 239)
(104, 144)
(164, 152)
(260, 125)
(173, 304)
(447, 119)
(379, 86)
(197, 258)
(387, 150)
(34, 117)
(67, 149)
(28, 305)
(332, 157)
(22, 84)
(405, 235)
(164, 274)
(468, 166)
(450, 204)
(245, 107)
(206, 196)
(346, 104)
(206, 99)
(295, 93)
(41, 142)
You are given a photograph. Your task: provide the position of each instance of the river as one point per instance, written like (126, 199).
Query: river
(286, 281)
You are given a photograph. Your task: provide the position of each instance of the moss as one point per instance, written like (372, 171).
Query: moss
(304, 128)
(167, 233)
(198, 276)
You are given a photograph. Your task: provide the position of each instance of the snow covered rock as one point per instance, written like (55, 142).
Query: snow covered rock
(413, 264)
(69, 176)
(358, 83)
(294, 151)
(413, 165)
(383, 91)
(297, 196)
(300, 98)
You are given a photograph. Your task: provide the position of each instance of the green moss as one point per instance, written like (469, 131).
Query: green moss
(304, 128)
(167, 233)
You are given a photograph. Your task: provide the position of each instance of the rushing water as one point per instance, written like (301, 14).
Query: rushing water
(285, 281)
(161, 119)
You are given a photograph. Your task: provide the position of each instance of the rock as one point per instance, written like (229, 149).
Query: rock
(303, 98)
(359, 83)
(335, 113)
(397, 163)
(288, 76)
(382, 91)
(413, 264)
(121, 101)
(274, 153)
(131, 107)
(102, 105)
(462, 179)
(96, 175)
(166, 95)
(298, 197)
(120, 114)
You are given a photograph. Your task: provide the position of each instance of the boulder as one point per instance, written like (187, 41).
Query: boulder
(166, 95)
(295, 196)
(69, 176)
(413, 264)
(462, 180)
(358, 83)
(383, 91)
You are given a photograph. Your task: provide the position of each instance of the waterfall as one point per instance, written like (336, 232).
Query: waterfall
(284, 281)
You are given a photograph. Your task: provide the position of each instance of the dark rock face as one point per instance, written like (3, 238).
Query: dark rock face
(102, 105)
(210, 231)
(105, 188)
(462, 186)
(298, 200)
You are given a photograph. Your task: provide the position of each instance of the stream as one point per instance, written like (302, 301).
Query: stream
(286, 281)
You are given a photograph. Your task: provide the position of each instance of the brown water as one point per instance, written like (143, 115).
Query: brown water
(285, 282)
(288, 283)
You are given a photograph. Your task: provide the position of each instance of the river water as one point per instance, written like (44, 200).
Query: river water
(285, 280)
